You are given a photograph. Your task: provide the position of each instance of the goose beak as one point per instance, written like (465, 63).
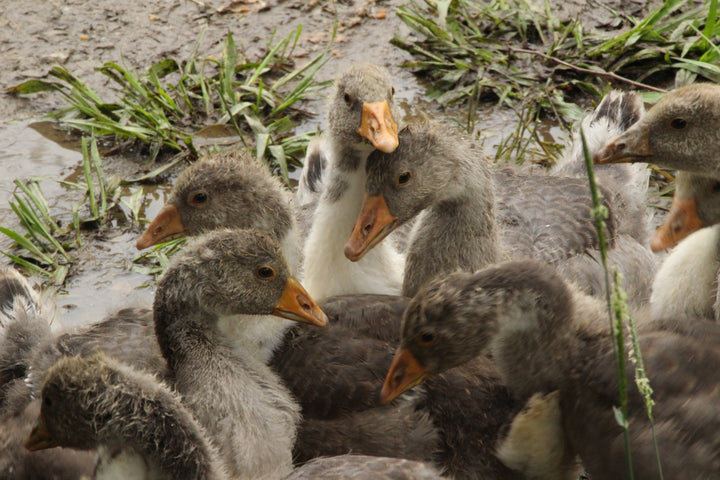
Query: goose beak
(297, 304)
(405, 373)
(632, 146)
(40, 438)
(374, 223)
(680, 222)
(167, 224)
(378, 127)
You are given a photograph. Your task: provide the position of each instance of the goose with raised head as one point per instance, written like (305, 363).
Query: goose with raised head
(229, 189)
(470, 217)
(140, 427)
(546, 336)
(681, 132)
(360, 120)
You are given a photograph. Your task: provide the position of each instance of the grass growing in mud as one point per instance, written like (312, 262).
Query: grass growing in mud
(164, 110)
(167, 106)
(522, 55)
(44, 249)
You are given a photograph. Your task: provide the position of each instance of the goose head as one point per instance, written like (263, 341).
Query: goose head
(431, 164)
(361, 110)
(222, 190)
(681, 131)
(234, 272)
(696, 204)
(455, 318)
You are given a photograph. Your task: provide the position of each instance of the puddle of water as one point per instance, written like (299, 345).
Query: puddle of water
(102, 281)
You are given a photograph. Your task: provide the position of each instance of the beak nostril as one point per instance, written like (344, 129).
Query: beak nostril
(303, 303)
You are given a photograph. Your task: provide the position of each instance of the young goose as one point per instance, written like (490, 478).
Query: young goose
(439, 175)
(679, 132)
(546, 336)
(242, 274)
(139, 426)
(682, 131)
(360, 112)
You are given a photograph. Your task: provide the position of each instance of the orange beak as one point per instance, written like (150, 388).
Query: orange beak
(297, 304)
(680, 222)
(378, 127)
(405, 373)
(167, 224)
(374, 223)
(631, 146)
(40, 438)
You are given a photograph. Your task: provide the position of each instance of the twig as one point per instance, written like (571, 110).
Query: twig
(602, 73)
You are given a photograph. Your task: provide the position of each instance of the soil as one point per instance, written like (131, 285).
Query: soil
(81, 35)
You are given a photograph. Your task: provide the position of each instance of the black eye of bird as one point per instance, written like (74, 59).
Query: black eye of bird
(716, 187)
(198, 198)
(392, 91)
(265, 272)
(426, 338)
(347, 98)
(48, 402)
(678, 123)
(404, 178)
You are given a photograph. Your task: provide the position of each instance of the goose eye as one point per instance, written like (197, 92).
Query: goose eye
(426, 338)
(47, 401)
(404, 178)
(265, 272)
(392, 91)
(197, 198)
(347, 98)
(678, 123)
(716, 187)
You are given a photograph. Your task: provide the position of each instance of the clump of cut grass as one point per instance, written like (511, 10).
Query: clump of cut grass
(521, 54)
(165, 107)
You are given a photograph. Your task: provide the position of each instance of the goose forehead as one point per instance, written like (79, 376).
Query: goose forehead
(371, 84)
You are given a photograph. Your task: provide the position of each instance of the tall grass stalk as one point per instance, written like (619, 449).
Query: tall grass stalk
(618, 316)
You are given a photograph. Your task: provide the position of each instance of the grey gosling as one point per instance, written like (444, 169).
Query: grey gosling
(139, 426)
(546, 336)
(241, 274)
(470, 217)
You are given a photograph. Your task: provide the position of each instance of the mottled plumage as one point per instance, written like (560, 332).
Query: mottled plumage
(546, 336)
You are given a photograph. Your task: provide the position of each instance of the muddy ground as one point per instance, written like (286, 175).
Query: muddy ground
(81, 35)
